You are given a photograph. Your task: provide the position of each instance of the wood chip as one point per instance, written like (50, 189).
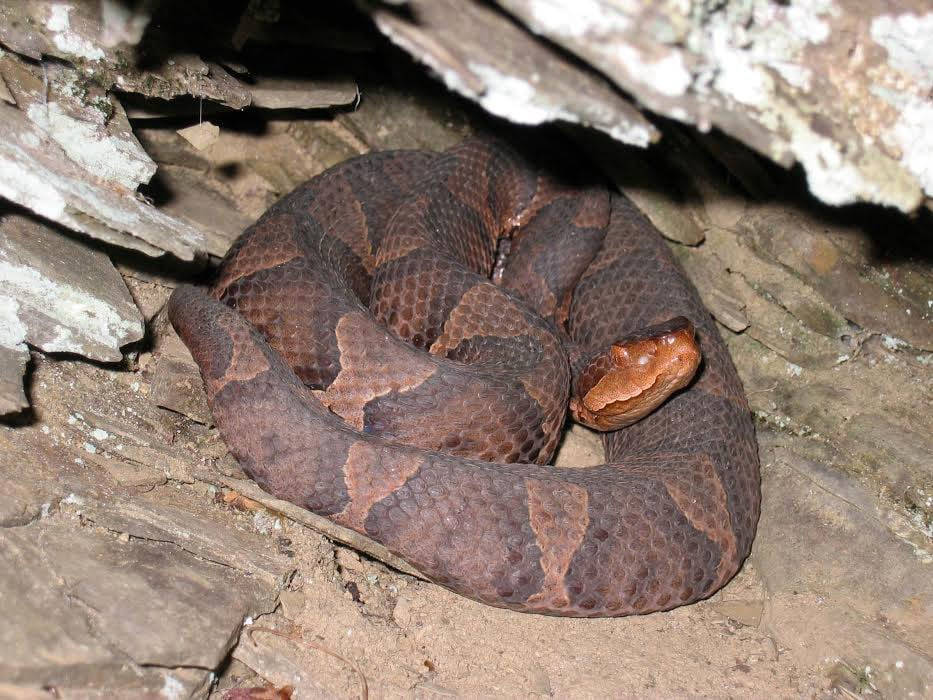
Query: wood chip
(201, 135)
(5, 93)
(277, 93)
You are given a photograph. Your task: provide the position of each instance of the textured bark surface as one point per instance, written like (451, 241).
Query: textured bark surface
(482, 55)
(58, 295)
(840, 86)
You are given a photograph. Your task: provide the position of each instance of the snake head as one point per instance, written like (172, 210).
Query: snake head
(635, 375)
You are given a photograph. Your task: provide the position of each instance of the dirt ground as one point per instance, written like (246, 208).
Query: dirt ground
(137, 561)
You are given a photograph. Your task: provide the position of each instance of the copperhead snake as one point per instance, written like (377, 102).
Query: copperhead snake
(370, 353)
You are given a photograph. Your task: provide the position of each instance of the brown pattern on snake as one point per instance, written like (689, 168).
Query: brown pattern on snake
(366, 486)
(702, 499)
(370, 367)
(349, 212)
(559, 520)
(270, 251)
(468, 319)
(667, 521)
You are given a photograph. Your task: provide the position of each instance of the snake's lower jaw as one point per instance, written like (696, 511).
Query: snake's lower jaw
(636, 376)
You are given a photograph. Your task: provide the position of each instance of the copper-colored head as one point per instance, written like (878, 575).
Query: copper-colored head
(636, 375)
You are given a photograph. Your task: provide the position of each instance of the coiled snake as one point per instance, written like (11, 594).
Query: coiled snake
(434, 446)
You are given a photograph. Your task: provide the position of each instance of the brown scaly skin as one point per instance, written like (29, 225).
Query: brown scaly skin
(666, 522)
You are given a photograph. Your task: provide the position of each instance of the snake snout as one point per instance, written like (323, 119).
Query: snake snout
(636, 375)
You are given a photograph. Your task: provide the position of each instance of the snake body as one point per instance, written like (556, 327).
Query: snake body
(423, 426)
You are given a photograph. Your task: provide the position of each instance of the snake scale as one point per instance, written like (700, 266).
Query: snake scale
(370, 352)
